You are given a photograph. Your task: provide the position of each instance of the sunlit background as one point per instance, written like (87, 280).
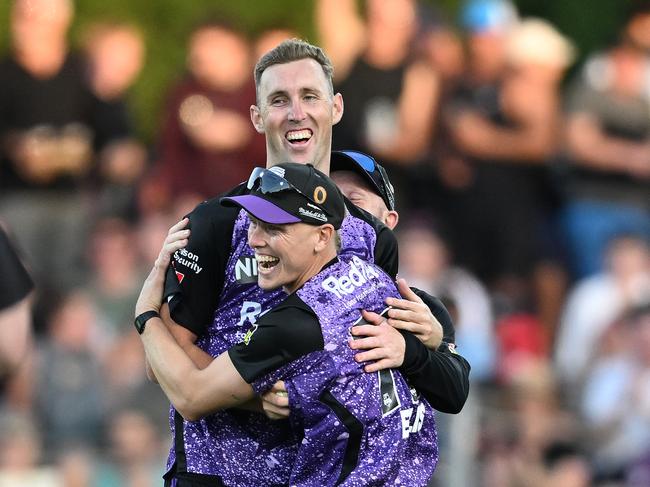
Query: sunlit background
(517, 136)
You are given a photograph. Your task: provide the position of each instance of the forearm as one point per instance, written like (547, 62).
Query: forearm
(170, 365)
(592, 148)
(442, 376)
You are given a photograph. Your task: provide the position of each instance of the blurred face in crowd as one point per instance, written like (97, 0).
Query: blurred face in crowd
(359, 192)
(39, 24)
(423, 255)
(219, 58)
(116, 56)
(296, 111)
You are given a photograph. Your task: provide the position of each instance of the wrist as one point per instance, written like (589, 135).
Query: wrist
(141, 320)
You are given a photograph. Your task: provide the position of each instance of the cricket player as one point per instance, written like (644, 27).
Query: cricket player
(356, 428)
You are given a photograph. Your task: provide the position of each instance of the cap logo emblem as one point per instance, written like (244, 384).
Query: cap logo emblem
(320, 195)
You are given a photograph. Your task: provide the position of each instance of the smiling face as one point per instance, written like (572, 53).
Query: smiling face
(288, 255)
(296, 111)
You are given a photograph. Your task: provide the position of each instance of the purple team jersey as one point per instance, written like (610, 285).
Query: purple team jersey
(360, 429)
(247, 449)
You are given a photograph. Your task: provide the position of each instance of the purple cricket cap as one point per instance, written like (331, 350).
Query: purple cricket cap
(263, 209)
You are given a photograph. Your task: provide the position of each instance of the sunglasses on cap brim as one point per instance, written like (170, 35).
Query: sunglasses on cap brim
(270, 182)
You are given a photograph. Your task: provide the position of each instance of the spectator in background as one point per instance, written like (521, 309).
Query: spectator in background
(113, 277)
(616, 398)
(68, 383)
(608, 142)
(505, 124)
(47, 134)
(595, 302)
(135, 454)
(15, 308)
(115, 53)
(390, 97)
(207, 144)
(425, 263)
(528, 423)
(20, 453)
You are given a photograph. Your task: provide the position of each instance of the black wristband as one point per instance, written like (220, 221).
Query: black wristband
(141, 320)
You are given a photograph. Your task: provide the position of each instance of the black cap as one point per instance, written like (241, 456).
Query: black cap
(291, 193)
(368, 169)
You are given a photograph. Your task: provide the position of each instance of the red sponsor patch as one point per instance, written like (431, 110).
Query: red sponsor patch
(180, 276)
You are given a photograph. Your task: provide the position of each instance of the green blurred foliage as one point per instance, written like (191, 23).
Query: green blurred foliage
(166, 24)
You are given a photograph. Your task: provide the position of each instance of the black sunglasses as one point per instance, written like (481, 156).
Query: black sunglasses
(271, 182)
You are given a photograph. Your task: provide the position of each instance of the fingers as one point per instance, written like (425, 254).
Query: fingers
(372, 318)
(278, 400)
(365, 343)
(178, 226)
(406, 292)
(373, 354)
(279, 387)
(406, 325)
(381, 365)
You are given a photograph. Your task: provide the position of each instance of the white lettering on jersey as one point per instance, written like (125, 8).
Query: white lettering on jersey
(250, 311)
(360, 273)
(246, 270)
(188, 260)
(407, 427)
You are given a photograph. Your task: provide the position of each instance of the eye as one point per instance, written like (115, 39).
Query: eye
(278, 101)
(310, 97)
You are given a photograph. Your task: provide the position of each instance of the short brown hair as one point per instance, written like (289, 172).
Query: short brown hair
(294, 50)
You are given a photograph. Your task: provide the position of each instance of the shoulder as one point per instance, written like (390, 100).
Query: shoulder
(211, 214)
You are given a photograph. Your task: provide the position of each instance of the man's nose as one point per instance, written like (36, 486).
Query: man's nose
(296, 112)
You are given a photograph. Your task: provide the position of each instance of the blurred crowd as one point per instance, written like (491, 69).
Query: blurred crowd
(522, 181)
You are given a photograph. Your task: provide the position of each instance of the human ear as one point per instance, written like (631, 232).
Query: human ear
(256, 119)
(337, 109)
(324, 237)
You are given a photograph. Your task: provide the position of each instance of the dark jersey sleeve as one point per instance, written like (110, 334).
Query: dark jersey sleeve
(16, 283)
(195, 277)
(442, 375)
(286, 333)
(386, 255)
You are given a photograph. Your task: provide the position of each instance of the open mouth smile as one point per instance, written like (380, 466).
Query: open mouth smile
(299, 136)
(266, 262)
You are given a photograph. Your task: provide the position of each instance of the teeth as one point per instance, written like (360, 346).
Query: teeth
(265, 258)
(299, 134)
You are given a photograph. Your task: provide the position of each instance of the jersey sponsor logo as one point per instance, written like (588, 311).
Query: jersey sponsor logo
(408, 427)
(360, 273)
(188, 260)
(249, 311)
(249, 334)
(246, 270)
(316, 215)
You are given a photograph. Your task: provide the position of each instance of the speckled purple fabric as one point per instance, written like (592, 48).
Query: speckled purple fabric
(246, 449)
(348, 429)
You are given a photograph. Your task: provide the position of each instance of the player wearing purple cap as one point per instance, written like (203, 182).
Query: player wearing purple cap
(357, 428)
